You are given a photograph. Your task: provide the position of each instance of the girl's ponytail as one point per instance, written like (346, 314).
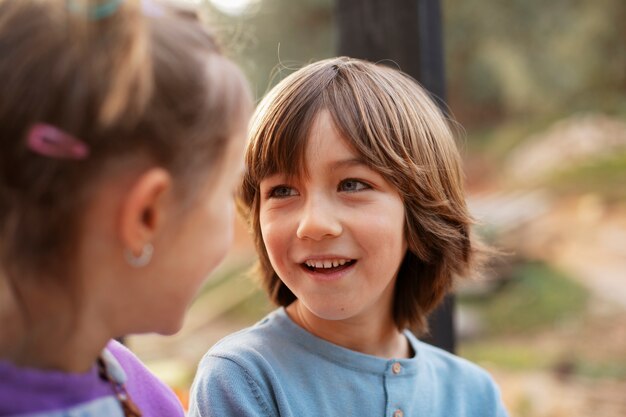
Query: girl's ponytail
(115, 49)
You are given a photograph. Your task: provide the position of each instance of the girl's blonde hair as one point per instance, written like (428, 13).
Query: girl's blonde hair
(128, 83)
(393, 124)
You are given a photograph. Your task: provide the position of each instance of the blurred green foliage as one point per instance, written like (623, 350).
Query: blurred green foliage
(253, 309)
(514, 59)
(522, 319)
(527, 356)
(607, 368)
(536, 296)
(274, 37)
(605, 176)
(516, 357)
(527, 57)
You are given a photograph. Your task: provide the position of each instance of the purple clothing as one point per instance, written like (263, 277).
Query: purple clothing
(25, 391)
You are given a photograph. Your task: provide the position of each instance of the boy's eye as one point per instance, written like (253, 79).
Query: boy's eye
(281, 191)
(352, 185)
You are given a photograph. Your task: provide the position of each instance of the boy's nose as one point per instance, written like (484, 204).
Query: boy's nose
(318, 221)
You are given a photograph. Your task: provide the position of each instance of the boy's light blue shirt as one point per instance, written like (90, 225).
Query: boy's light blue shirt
(277, 368)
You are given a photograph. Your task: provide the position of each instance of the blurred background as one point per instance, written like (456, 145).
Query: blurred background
(540, 90)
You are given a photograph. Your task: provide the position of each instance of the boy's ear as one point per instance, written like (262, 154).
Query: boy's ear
(143, 208)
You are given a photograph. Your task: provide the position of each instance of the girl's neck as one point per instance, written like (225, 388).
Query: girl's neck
(12, 325)
(378, 337)
(46, 348)
(52, 337)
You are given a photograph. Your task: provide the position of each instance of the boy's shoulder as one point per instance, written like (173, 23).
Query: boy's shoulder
(258, 339)
(252, 359)
(272, 346)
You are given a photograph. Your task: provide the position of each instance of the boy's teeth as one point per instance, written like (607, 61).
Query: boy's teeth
(330, 263)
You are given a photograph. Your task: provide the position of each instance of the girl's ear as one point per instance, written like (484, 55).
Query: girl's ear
(143, 209)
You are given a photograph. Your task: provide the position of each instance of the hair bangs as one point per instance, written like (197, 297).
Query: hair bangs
(280, 134)
(283, 151)
(364, 110)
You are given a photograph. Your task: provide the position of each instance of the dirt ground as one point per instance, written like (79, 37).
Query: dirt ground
(585, 237)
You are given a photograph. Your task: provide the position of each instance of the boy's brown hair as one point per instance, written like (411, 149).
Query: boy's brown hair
(393, 124)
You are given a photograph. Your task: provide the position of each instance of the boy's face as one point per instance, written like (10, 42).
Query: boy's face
(336, 236)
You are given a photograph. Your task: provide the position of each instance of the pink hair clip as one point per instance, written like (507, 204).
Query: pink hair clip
(50, 141)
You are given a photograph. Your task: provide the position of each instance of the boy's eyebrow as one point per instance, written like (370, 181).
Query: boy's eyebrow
(347, 163)
(341, 163)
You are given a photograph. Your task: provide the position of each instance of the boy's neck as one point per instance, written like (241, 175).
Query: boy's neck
(378, 337)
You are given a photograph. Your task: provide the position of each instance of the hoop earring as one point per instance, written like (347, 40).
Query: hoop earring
(143, 259)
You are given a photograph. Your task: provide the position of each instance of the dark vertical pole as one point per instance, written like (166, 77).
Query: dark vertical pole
(406, 34)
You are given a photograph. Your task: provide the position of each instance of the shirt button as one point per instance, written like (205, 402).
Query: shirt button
(398, 413)
(396, 368)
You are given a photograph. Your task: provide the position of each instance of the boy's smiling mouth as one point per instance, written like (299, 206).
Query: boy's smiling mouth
(327, 266)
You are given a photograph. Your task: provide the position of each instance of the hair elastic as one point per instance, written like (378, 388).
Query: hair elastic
(95, 12)
(50, 141)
